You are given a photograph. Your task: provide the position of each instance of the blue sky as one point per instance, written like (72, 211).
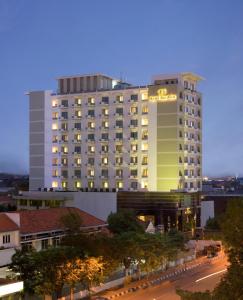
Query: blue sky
(40, 40)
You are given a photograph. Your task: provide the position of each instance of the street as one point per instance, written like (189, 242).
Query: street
(204, 277)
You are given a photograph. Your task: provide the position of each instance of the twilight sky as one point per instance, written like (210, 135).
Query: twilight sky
(40, 40)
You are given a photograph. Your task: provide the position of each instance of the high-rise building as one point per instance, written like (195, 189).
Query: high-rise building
(99, 133)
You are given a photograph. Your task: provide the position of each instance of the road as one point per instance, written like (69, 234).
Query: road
(204, 277)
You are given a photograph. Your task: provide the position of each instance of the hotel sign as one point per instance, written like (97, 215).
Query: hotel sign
(163, 96)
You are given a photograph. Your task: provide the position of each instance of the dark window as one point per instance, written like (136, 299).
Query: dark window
(105, 100)
(134, 97)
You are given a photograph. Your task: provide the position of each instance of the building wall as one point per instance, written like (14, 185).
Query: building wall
(207, 211)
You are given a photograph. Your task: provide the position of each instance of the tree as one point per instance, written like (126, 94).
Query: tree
(124, 221)
(212, 224)
(186, 295)
(72, 222)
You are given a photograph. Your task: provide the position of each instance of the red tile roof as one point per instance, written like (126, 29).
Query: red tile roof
(6, 224)
(33, 221)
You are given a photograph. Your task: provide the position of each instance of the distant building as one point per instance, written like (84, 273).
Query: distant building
(100, 134)
(39, 229)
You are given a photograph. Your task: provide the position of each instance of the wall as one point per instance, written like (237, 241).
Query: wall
(207, 211)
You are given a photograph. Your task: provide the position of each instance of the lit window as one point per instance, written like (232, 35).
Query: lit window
(145, 109)
(144, 96)
(91, 172)
(144, 122)
(144, 134)
(54, 126)
(77, 161)
(64, 137)
(119, 184)
(91, 101)
(144, 184)
(144, 160)
(54, 139)
(144, 146)
(105, 124)
(54, 184)
(91, 184)
(77, 137)
(145, 173)
(105, 160)
(54, 149)
(54, 173)
(78, 113)
(64, 161)
(78, 184)
(105, 185)
(54, 103)
(55, 115)
(64, 184)
(134, 110)
(65, 149)
(105, 111)
(119, 98)
(91, 149)
(54, 161)
(91, 125)
(78, 101)
(134, 147)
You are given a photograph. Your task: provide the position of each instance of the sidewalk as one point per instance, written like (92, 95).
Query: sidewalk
(152, 279)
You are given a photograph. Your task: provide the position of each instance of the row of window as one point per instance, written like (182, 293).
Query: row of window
(91, 160)
(92, 101)
(6, 239)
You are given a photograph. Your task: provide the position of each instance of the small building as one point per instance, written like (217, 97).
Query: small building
(39, 229)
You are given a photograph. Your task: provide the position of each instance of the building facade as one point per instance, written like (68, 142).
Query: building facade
(100, 134)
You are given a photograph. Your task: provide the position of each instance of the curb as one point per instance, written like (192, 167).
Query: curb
(153, 282)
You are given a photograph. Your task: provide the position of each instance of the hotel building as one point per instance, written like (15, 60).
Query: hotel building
(101, 134)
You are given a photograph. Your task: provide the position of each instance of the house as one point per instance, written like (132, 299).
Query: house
(39, 229)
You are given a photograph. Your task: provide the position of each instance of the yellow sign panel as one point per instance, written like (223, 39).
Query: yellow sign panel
(163, 96)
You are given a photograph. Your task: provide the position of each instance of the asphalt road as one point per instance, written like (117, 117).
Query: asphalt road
(204, 277)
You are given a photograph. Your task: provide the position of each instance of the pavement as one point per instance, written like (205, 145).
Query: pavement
(200, 275)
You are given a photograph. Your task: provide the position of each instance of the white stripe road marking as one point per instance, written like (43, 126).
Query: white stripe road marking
(224, 270)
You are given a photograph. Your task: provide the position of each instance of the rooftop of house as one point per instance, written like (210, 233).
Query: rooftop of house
(6, 224)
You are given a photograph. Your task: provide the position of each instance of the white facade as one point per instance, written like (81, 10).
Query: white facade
(92, 139)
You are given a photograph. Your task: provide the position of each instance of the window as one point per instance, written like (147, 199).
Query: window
(44, 244)
(91, 149)
(54, 149)
(90, 184)
(77, 149)
(119, 148)
(134, 122)
(134, 172)
(91, 101)
(134, 147)
(144, 122)
(134, 185)
(77, 161)
(64, 138)
(119, 135)
(105, 100)
(119, 111)
(91, 113)
(78, 101)
(144, 147)
(105, 184)
(119, 173)
(54, 126)
(64, 173)
(77, 137)
(134, 110)
(105, 112)
(64, 115)
(64, 126)
(104, 173)
(134, 135)
(77, 126)
(134, 160)
(145, 109)
(54, 139)
(64, 103)
(104, 160)
(104, 148)
(119, 123)
(91, 125)
(64, 184)
(6, 239)
(145, 173)
(119, 160)
(134, 97)
(91, 161)
(91, 173)
(54, 184)
(119, 99)
(64, 161)
(145, 160)
(119, 184)
(144, 96)
(54, 103)
(78, 114)
(55, 242)
(145, 134)
(105, 136)
(55, 115)
(54, 173)
(77, 184)
(64, 149)
(91, 137)
(105, 124)
(77, 173)
(144, 184)
(54, 161)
